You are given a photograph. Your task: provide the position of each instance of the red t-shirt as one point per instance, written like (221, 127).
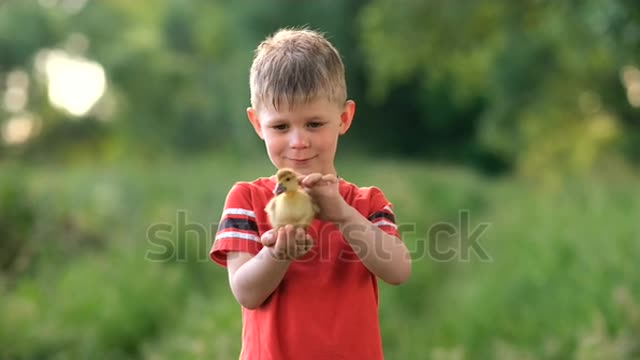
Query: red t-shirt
(326, 306)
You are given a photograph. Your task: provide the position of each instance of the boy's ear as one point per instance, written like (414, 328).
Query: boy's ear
(346, 118)
(252, 114)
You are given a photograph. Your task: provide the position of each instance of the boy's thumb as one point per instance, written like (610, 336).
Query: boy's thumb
(268, 238)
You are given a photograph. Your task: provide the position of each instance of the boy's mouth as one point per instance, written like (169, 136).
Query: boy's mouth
(302, 159)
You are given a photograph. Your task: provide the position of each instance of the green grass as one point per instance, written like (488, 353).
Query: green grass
(561, 283)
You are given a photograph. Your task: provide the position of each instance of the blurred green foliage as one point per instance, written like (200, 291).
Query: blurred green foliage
(548, 74)
(17, 217)
(532, 90)
(536, 86)
(560, 282)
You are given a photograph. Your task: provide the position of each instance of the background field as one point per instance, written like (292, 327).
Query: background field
(521, 119)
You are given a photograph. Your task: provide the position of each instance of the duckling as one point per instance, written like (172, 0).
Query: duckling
(291, 204)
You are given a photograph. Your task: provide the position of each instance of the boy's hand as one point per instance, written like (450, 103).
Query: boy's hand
(325, 191)
(287, 243)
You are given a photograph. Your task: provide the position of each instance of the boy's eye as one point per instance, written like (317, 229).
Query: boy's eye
(315, 124)
(280, 127)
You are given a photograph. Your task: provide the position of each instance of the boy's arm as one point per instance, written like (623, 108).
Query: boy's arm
(254, 278)
(383, 254)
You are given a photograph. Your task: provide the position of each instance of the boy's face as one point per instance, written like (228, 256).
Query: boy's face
(305, 138)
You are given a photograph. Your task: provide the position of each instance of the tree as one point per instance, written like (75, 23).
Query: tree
(547, 73)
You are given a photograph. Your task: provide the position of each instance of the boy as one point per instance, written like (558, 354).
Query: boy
(307, 295)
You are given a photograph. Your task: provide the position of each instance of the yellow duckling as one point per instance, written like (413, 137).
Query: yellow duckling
(291, 204)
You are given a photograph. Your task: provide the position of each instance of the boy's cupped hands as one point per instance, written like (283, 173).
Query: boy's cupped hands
(325, 191)
(289, 242)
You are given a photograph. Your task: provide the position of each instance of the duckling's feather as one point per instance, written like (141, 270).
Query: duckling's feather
(291, 207)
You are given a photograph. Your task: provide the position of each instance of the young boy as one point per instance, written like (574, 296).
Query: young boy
(307, 295)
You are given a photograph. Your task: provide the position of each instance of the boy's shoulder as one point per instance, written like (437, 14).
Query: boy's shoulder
(360, 191)
(261, 183)
(258, 190)
(363, 198)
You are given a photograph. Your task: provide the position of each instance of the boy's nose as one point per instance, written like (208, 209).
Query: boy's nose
(298, 140)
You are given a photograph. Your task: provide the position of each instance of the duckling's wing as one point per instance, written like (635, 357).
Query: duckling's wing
(309, 209)
(314, 206)
(271, 209)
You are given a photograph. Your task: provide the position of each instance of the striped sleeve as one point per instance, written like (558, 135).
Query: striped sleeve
(381, 213)
(238, 228)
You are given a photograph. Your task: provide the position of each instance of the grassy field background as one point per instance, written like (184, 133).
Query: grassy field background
(81, 279)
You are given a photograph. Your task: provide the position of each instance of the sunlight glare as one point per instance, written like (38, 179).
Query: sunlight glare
(633, 94)
(19, 129)
(15, 99)
(16, 96)
(75, 83)
(630, 76)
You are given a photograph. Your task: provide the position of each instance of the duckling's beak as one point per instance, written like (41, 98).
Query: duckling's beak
(280, 189)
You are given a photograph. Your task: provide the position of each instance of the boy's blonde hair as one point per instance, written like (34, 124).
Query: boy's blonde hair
(296, 66)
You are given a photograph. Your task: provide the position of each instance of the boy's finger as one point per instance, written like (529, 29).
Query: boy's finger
(309, 240)
(304, 247)
(290, 231)
(280, 242)
(304, 250)
(330, 178)
(300, 234)
(311, 179)
(289, 238)
(268, 238)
